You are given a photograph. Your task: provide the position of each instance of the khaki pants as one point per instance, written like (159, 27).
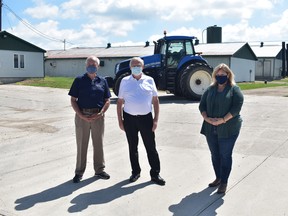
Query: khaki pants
(83, 129)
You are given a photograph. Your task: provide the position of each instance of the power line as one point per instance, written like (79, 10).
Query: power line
(28, 25)
(7, 20)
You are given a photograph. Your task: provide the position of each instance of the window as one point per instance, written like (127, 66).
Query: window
(189, 50)
(163, 49)
(19, 61)
(175, 46)
(176, 51)
(16, 61)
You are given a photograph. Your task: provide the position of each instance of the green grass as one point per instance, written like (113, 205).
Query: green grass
(258, 84)
(66, 82)
(53, 82)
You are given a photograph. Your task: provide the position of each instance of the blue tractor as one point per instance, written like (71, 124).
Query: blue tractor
(175, 67)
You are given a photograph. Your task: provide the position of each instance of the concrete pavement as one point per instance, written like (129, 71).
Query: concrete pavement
(37, 159)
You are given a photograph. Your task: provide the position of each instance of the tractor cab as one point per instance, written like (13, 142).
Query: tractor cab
(173, 49)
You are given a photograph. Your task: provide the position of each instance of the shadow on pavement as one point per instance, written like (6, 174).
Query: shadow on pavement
(50, 194)
(164, 99)
(105, 195)
(196, 203)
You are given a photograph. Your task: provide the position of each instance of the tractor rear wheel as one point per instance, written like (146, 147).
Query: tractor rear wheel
(195, 79)
(117, 83)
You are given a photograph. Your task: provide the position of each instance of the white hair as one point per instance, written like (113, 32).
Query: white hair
(137, 59)
(94, 59)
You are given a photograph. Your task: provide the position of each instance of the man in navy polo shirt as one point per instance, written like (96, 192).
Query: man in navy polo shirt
(90, 99)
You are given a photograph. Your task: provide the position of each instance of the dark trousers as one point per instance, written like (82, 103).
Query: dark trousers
(221, 154)
(142, 124)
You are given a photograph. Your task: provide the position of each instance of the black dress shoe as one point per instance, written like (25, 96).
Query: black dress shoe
(158, 180)
(134, 177)
(77, 178)
(215, 183)
(103, 175)
(222, 189)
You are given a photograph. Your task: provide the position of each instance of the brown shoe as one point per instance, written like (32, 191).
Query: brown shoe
(222, 189)
(215, 183)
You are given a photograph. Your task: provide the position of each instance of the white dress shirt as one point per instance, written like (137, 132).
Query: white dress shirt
(137, 94)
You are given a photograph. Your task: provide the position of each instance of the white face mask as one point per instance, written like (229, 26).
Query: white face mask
(136, 70)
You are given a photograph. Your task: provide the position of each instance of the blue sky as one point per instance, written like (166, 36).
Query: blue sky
(86, 23)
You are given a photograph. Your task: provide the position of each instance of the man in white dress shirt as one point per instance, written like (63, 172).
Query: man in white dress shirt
(137, 94)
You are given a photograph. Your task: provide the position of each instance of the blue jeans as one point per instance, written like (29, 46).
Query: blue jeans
(221, 154)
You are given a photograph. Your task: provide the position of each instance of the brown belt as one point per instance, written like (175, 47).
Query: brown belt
(90, 111)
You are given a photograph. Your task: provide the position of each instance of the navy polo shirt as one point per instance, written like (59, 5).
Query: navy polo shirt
(90, 93)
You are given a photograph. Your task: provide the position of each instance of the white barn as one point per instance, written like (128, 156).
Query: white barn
(19, 59)
(70, 63)
(238, 56)
(269, 64)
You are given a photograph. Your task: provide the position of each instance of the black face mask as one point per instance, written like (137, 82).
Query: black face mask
(221, 79)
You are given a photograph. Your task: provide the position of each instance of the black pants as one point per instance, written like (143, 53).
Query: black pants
(142, 124)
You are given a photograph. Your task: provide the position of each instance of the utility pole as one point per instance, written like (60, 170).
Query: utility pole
(287, 60)
(0, 15)
(283, 60)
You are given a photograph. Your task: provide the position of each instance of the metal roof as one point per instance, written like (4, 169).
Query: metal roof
(210, 49)
(9, 41)
(267, 50)
(219, 49)
(101, 52)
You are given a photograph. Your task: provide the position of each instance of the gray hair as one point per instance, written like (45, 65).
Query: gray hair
(136, 59)
(94, 59)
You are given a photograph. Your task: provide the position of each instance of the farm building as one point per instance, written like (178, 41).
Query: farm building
(70, 63)
(19, 59)
(238, 56)
(269, 63)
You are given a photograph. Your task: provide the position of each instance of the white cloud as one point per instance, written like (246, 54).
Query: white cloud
(276, 31)
(86, 23)
(70, 14)
(117, 28)
(42, 11)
